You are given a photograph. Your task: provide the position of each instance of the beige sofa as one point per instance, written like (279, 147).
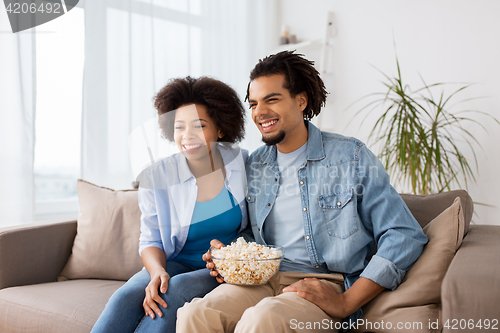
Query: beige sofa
(33, 256)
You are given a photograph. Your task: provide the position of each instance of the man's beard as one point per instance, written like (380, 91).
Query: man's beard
(274, 140)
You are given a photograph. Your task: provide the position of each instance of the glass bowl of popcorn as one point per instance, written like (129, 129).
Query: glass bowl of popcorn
(245, 263)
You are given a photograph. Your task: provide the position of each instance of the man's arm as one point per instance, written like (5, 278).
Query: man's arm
(334, 304)
(398, 236)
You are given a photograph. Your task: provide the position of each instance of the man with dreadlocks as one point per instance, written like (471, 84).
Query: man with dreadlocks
(346, 232)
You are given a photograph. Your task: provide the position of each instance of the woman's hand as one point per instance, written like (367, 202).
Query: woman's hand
(159, 281)
(215, 244)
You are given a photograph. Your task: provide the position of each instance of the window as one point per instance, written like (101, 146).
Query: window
(59, 75)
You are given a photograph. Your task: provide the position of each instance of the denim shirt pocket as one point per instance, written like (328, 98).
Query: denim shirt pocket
(339, 212)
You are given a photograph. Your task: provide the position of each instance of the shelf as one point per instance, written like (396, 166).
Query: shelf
(310, 44)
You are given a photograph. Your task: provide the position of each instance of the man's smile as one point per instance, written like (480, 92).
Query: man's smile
(268, 125)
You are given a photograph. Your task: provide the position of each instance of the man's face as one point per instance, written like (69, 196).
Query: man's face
(275, 112)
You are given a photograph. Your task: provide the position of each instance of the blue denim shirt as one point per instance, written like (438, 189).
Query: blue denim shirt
(349, 209)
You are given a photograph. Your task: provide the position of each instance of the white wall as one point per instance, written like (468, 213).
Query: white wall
(443, 40)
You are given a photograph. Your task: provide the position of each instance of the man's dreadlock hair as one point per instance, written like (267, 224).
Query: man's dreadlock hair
(300, 75)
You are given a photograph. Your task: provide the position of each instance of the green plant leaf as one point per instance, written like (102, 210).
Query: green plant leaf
(420, 138)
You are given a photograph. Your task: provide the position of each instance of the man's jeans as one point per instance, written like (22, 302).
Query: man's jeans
(124, 312)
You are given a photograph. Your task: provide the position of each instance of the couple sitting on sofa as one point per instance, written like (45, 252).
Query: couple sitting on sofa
(325, 198)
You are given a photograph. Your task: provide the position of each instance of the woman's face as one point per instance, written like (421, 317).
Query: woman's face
(194, 130)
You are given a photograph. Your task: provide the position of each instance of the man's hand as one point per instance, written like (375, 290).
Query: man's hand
(214, 244)
(334, 304)
(159, 281)
(323, 295)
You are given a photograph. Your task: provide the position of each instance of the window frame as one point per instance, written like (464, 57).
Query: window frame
(68, 209)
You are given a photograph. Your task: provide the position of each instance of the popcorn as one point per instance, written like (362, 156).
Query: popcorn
(246, 263)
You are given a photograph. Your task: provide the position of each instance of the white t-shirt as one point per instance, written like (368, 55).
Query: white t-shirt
(284, 226)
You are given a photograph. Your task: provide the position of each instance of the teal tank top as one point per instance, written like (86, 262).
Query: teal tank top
(219, 218)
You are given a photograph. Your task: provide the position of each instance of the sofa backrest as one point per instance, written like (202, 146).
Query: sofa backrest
(426, 207)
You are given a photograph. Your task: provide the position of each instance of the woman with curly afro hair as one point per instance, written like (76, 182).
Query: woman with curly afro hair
(186, 200)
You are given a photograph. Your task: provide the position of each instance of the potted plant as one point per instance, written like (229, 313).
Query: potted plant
(420, 137)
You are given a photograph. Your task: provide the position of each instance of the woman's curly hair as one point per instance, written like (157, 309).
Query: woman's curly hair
(222, 103)
(300, 75)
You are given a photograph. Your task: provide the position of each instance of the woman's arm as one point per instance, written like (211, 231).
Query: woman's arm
(155, 261)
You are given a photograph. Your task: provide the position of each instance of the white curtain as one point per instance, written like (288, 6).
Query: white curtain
(17, 123)
(133, 47)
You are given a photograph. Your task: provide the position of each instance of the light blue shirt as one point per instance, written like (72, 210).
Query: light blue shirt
(167, 196)
(283, 226)
(348, 208)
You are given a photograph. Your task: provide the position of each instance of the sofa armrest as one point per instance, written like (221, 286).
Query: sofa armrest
(34, 253)
(471, 285)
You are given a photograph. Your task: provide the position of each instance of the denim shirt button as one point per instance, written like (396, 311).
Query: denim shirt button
(316, 266)
(268, 204)
(304, 209)
(339, 204)
(307, 237)
(301, 182)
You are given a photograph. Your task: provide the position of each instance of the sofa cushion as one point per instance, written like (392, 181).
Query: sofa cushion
(426, 207)
(418, 299)
(107, 240)
(56, 307)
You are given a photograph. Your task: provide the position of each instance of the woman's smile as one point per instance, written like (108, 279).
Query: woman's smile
(192, 147)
